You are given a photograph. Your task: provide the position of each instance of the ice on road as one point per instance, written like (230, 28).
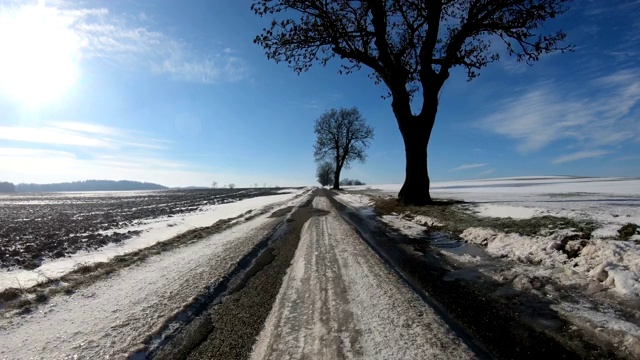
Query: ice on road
(338, 300)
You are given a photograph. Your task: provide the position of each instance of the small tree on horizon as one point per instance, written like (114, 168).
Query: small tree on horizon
(324, 173)
(410, 46)
(342, 136)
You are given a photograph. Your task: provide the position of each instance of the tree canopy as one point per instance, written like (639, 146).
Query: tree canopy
(411, 46)
(408, 43)
(342, 136)
(324, 173)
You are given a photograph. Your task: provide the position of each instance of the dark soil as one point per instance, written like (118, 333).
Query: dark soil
(627, 231)
(54, 225)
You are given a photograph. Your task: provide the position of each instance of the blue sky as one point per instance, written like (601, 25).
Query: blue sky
(175, 92)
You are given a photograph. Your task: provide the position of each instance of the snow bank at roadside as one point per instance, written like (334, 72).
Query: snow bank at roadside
(615, 264)
(506, 211)
(355, 200)
(153, 231)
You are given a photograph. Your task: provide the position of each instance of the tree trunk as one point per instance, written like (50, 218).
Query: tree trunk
(416, 131)
(336, 178)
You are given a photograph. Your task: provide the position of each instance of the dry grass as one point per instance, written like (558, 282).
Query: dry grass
(457, 216)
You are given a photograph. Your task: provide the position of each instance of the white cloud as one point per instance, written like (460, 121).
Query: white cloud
(71, 151)
(487, 172)
(33, 165)
(129, 41)
(605, 114)
(587, 154)
(45, 166)
(467, 167)
(80, 135)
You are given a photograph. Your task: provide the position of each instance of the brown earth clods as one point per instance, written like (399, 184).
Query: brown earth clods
(35, 227)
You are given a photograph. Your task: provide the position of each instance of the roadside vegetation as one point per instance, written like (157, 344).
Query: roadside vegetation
(457, 216)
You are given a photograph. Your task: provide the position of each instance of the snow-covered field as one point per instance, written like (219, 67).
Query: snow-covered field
(112, 318)
(603, 264)
(150, 231)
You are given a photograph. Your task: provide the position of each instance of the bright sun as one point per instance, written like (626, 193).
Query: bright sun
(39, 50)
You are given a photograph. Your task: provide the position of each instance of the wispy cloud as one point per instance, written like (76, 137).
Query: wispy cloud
(605, 114)
(43, 166)
(487, 172)
(39, 165)
(67, 151)
(131, 41)
(80, 135)
(580, 155)
(467, 167)
(628, 158)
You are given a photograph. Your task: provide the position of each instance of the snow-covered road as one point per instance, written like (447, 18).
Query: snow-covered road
(111, 318)
(338, 300)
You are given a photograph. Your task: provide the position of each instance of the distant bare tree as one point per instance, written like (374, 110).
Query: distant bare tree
(342, 136)
(214, 184)
(232, 185)
(325, 173)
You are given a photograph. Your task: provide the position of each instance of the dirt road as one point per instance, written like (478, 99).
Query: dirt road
(339, 301)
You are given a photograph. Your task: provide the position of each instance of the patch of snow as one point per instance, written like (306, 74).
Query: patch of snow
(406, 227)
(153, 231)
(425, 221)
(463, 258)
(288, 191)
(354, 200)
(530, 185)
(626, 333)
(506, 211)
(616, 264)
(517, 247)
(601, 318)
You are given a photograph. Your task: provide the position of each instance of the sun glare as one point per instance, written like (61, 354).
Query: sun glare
(39, 50)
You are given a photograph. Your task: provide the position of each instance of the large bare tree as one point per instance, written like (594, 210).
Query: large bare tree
(411, 46)
(342, 136)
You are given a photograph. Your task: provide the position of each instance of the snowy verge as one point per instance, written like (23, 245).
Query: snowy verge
(615, 264)
(593, 279)
(113, 317)
(152, 231)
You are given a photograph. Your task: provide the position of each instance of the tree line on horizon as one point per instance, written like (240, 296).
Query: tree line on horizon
(83, 185)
